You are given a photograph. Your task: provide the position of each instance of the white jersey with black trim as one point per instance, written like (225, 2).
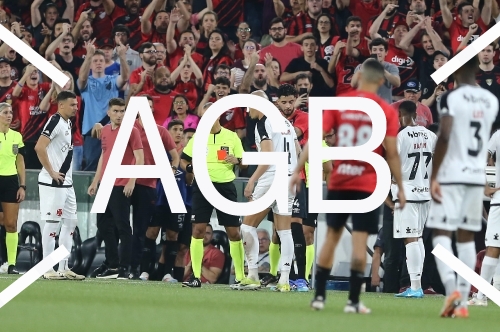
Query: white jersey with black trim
(474, 110)
(416, 145)
(282, 141)
(59, 151)
(494, 147)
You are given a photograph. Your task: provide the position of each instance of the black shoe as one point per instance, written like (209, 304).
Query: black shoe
(269, 279)
(109, 274)
(134, 275)
(99, 270)
(12, 270)
(123, 274)
(192, 282)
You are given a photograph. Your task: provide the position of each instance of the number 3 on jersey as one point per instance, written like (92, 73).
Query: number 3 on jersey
(476, 127)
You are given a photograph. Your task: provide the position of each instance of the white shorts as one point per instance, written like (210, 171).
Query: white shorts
(492, 237)
(461, 208)
(57, 203)
(410, 221)
(263, 186)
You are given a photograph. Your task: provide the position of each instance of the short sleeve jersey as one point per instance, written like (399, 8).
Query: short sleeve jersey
(474, 110)
(59, 151)
(494, 147)
(10, 143)
(282, 142)
(415, 146)
(354, 128)
(218, 170)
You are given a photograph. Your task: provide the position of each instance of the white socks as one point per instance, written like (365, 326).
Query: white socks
(49, 234)
(251, 246)
(287, 250)
(422, 253)
(414, 263)
(467, 254)
(445, 272)
(496, 278)
(66, 239)
(487, 272)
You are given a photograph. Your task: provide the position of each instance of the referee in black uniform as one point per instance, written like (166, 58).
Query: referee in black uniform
(12, 171)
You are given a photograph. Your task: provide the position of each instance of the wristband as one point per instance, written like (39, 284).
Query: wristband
(23, 186)
(189, 168)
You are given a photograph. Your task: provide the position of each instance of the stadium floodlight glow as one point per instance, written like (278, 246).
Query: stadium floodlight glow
(277, 192)
(33, 57)
(32, 275)
(364, 152)
(161, 170)
(467, 273)
(462, 57)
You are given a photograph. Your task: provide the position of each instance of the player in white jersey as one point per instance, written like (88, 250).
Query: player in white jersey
(55, 183)
(415, 146)
(492, 237)
(458, 179)
(268, 139)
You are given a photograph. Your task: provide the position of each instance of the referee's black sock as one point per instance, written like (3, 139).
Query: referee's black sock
(322, 274)
(299, 241)
(355, 283)
(147, 254)
(171, 248)
(179, 273)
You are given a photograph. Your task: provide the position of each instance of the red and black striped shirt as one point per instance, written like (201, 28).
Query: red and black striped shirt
(301, 24)
(229, 13)
(133, 22)
(208, 71)
(101, 24)
(31, 117)
(188, 89)
(406, 65)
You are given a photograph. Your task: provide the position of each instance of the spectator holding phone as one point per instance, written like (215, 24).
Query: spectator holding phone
(379, 49)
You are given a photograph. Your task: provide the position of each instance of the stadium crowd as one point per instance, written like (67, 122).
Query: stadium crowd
(185, 54)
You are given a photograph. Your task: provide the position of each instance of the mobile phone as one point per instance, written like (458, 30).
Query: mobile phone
(374, 56)
(302, 91)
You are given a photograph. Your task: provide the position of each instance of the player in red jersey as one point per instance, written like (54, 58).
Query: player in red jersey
(353, 128)
(348, 54)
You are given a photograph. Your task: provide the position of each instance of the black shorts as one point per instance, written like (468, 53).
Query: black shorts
(9, 186)
(186, 232)
(299, 207)
(163, 217)
(202, 209)
(361, 222)
(312, 218)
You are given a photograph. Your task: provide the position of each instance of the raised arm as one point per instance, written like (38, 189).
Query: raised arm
(36, 17)
(446, 14)
(279, 8)
(246, 83)
(145, 19)
(170, 39)
(83, 75)
(122, 79)
(49, 53)
(69, 12)
(109, 6)
(486, 12)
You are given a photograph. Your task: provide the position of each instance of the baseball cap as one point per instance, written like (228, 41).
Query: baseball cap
(102, 43)
(413, 85)
(436, 53)
(4, 59)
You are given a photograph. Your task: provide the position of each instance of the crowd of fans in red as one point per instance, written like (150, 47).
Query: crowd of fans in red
(189, 52)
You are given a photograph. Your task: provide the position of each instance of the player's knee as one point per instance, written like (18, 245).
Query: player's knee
(171, 235)
(233, 233)
(152, 232)
(199, 231)
(10, 227)
(492, 252)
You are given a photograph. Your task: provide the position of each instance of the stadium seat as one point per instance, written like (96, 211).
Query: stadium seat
(221, 241)
(31, 253)
(88, 252)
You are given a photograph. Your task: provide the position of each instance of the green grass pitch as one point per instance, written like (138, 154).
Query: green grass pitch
(95, 305)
